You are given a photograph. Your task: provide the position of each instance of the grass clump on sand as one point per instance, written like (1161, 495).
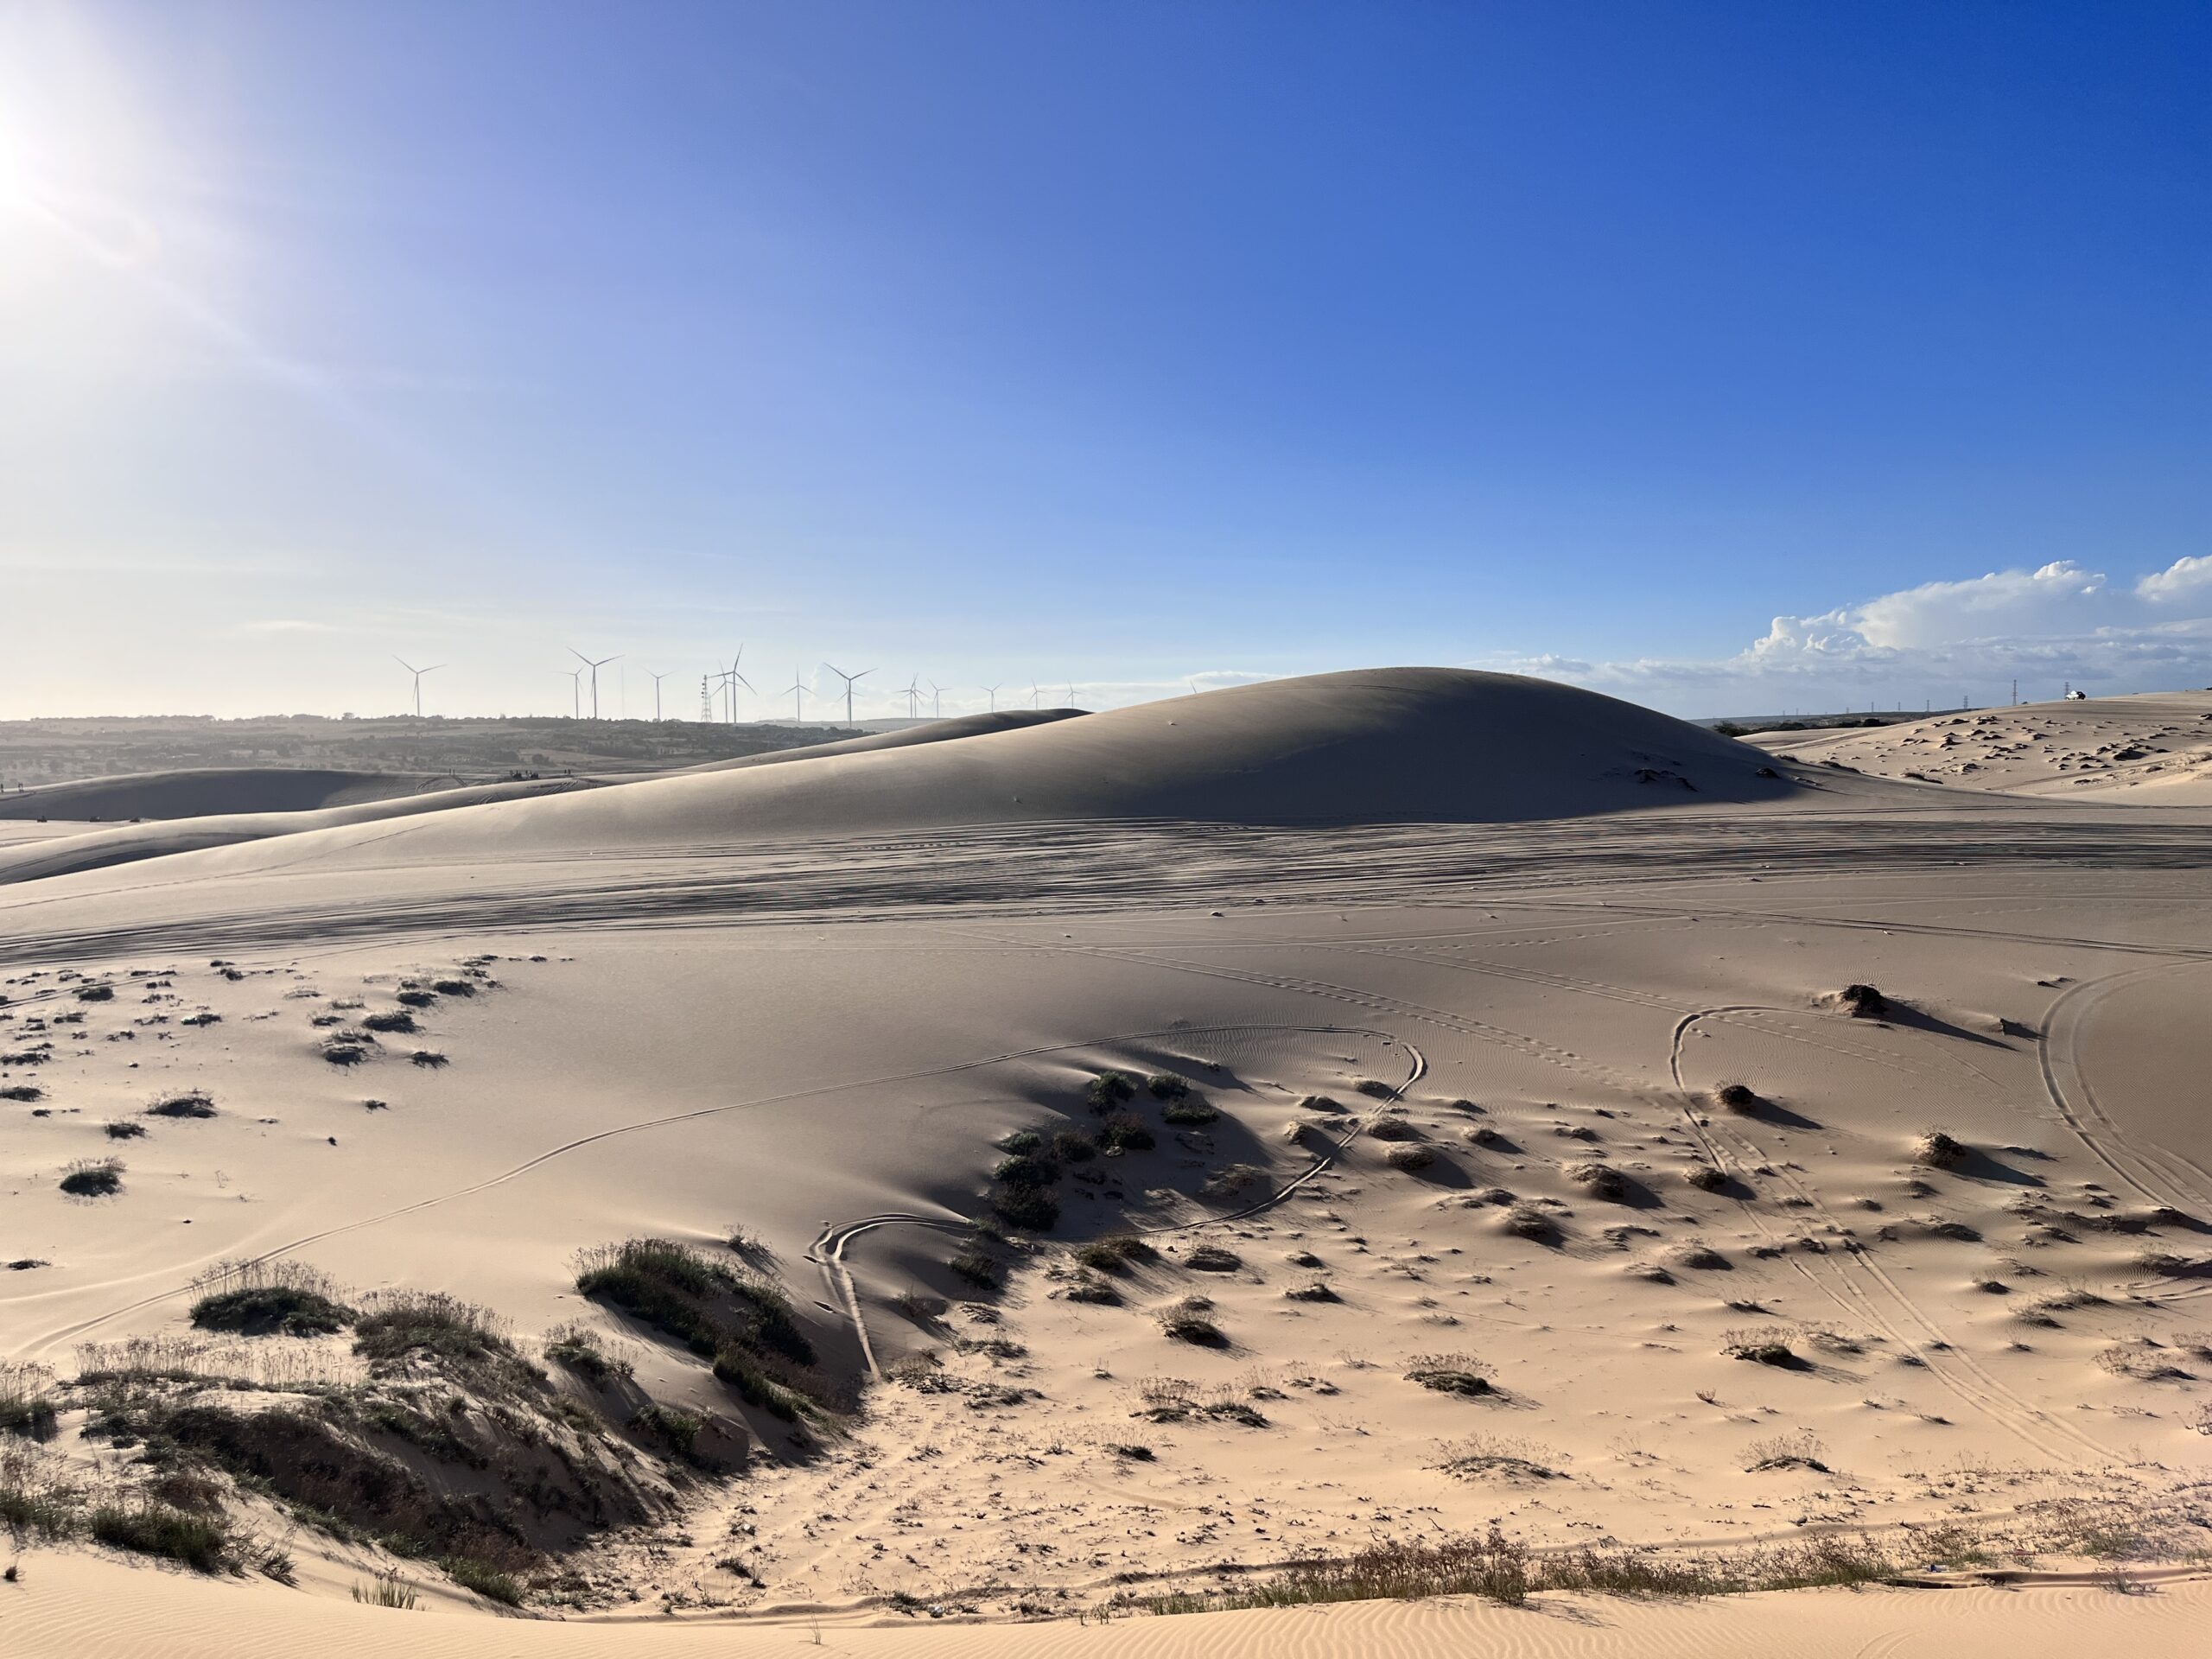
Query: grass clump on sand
(145, 1526)
(1165, 1085)
(486, 1581)
(1413, 1155)
(398, 1021)
(978, 1270)
(1188, 1111)
(1864, 1002)
(1738, 1097)
(577, 1349)
(347, 1048)
(1599, 1181)
(262, 1298)
(96, 993)
(386, 1590)
(1525, 1220)
(677, 1430)
(1090, 1288)
(1391, 1127)
(23, 1091)
(123, 1130)
(1461, 1374)
(27, 1404)
(397, 1324)
(194, 1102)
(1502, 1570)
(1762, 1344)
(1030, 1207)
(1189, 1320)
(1114, 1252)
(1211, 1258)
(1707, 1178)
(94, 1178)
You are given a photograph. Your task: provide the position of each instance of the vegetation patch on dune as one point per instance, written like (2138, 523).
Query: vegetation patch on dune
(743, 1324)
(259, 1299)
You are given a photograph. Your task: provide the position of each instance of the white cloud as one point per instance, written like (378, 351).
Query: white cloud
(2060, 624)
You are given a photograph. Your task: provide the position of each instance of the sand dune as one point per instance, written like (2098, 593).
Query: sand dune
(227, 790)
(2151, 750)
(935, 731)
(1455, 1106)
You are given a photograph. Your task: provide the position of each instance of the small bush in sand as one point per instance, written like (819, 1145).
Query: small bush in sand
(90, 1177)
(1321, 1104)
(1375, 1088)
(1026, 1168)
(1108, 1090)
(429, 1059)
(1599, 1181)
(1188, 1320)
(1938, 1149)
(1410, 1157)
(701, 1301)
(1863, 1002)
(401, 1323)
(1499, 1456)
(1706, 1177)
(2141, 1360)
(96, 993)
(1073, 1146)
(1764, 1345)
(1738, 1097)
(124, 1130)
(413, 996)
(260, 1299)
(203, 1018)
(1696, 1253)
(1125, 1132)
(453, 987)
(578, 1349)
(1483, 1135)
(23, 1091)
(148, 1527)
(1165, 1085)
(398, 1020)
(1527, 1221)
(1449, 1373)
(192, 1104)
(1030, 1207)
(1391, 1127)
(1798, 1449)
(1313, 1290)
(346, 1050)
(1021, 1142)
(1188, 1112)
(1090, 1288)
(1211, 1258)
(1114, 1253)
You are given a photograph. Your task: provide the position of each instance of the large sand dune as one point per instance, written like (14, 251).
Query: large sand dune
(1456, 969)
(202, 792)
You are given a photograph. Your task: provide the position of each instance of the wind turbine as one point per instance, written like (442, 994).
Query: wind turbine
(733, 679)
(595, 668)
(1036, 695)
(913, 696)
(1071, 694)
(849, 679)
(418, 673)
(937, 701)
(575, 691)
(993, 691)
(658, 679)
(798, 689)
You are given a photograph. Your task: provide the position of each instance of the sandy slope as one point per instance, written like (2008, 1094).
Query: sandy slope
(71, 1607)
(198, 792)
(689, 1023)
(2154, 749)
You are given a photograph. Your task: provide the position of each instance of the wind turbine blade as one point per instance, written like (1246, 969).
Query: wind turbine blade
(742, 681)
(580, 657)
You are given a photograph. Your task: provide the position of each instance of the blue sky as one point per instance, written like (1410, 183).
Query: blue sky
(1730, 357)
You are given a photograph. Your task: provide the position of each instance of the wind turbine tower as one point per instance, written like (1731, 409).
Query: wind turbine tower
(575, 691)
(798, 689)
(992, 692)
(418, 673)
(658, 679)
(595, 668)
(849, 679)
(913, 696)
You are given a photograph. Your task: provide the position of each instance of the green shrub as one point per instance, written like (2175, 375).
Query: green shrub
(486, 1582)
(1125, 1132)
(1026, 1169)
(677, 1430)
(977, 1270)
(1165, 1085)
(1188, 1111)
(94, 1178)
(1030, 1207)
(269, 1310)
(1073, 1146)
(145, 1528)
(1108, 1090)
